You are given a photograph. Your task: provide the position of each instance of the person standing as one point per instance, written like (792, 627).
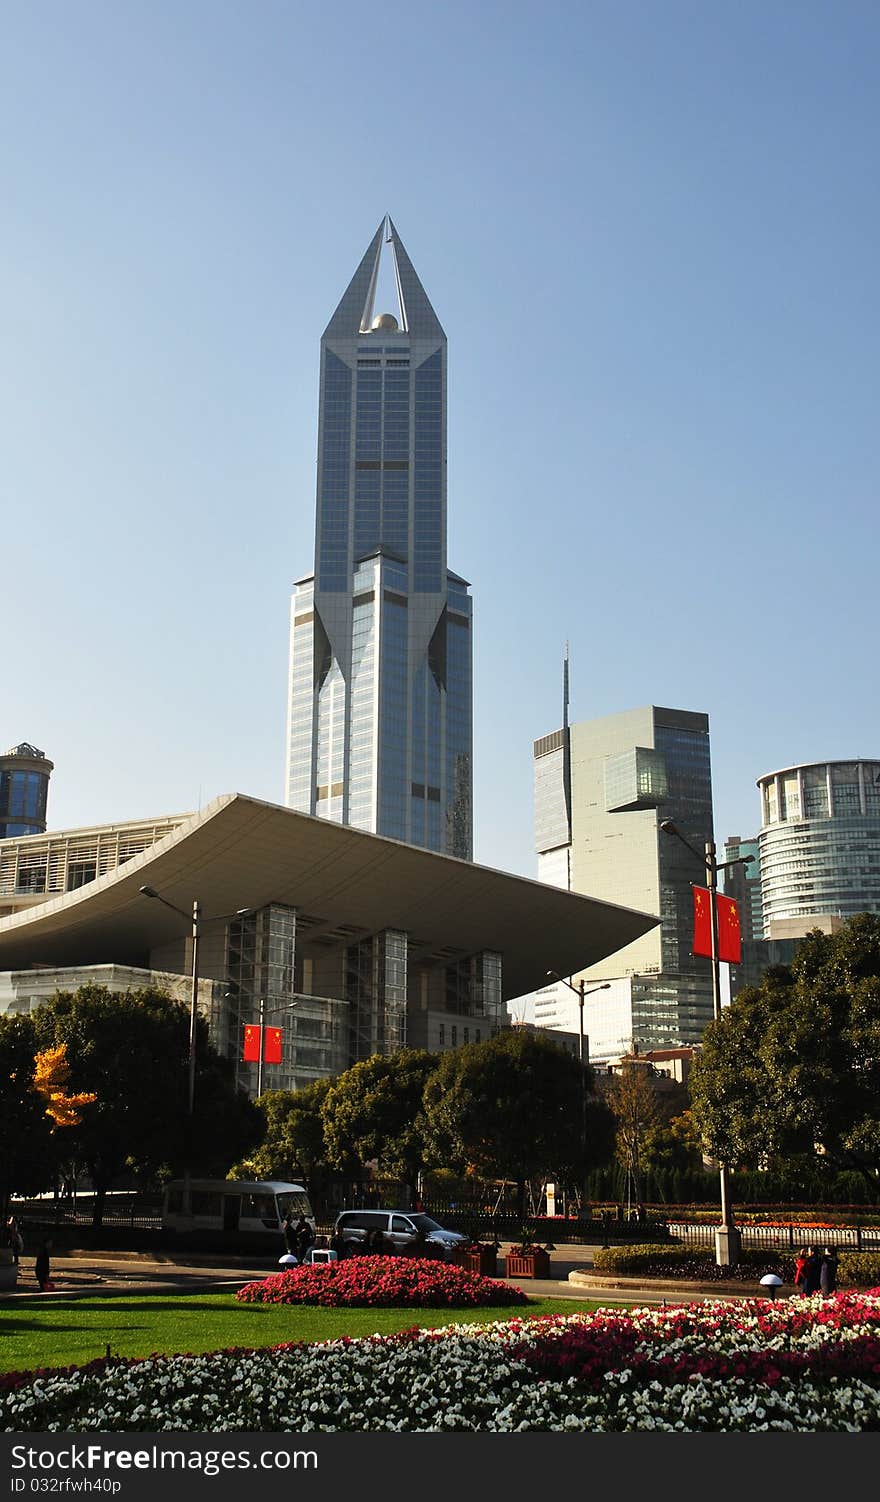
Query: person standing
(800, 1263)
(828, 1271)
(811, 1272)
(15, 1238)
(41, 1268)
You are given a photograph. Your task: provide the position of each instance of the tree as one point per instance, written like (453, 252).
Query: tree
(51, 1078)
(28, 1153)
(512, 1108)
(131, 1050)
(374, 1111)
(632, 1097)
(293, 1135)
(793, 1065)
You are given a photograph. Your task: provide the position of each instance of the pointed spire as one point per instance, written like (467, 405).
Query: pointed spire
(357, 299)
(418, 315)
(355, 311)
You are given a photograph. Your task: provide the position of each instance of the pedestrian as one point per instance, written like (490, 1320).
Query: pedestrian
(303, 1236)
(800, 1263)
(289, 1234)
(41, 1268)
(338, 1244)
(828, 1271)
(811, 1272)
(15, 1238)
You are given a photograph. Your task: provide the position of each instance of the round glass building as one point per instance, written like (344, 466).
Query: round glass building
(819, 845)
(24, 790)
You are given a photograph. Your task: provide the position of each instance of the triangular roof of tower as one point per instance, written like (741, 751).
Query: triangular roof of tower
(354, 314)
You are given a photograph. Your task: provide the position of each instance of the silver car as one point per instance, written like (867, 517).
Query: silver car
(403, 1230)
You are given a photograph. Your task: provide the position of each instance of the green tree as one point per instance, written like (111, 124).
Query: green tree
(793, 1065)
(374, 1111)
(632, 1096)
(132, 1050)
(28, 1150)
(512, 1108)
(293, 1135)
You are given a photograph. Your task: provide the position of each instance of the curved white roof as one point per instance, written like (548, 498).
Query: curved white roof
(240, 852)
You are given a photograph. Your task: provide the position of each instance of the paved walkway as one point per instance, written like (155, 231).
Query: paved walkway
(81, 1273)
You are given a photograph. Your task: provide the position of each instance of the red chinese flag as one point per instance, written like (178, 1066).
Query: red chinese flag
(702, 922)
(729, 942)
(272, 1046)
(251, 1044)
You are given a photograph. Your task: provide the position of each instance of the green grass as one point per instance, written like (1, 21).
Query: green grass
(70, 1332)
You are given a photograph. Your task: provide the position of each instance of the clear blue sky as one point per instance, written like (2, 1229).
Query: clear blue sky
(650, 231)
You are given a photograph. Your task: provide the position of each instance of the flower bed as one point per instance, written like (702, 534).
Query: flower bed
(807, 1365)
(382, 1282)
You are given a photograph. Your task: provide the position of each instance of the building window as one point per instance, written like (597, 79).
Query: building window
(442, 1036)
(467, 1035)
(454, 1036)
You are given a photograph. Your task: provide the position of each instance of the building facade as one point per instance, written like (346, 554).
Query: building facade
(24, 790)
(819, 846)
(380, 681)
(601, 788)
(743, 883)
(350, 943)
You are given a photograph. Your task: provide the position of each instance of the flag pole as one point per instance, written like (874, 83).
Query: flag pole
(260, 1055)
(727, 1240)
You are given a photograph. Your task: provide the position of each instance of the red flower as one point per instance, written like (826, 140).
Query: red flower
(382, 1282)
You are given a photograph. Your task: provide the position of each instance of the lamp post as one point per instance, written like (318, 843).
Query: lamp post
(581, 993)
(194, 917)
(727, 1238)
(291, 1006)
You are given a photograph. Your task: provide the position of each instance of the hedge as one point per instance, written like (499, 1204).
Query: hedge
(854, 1270)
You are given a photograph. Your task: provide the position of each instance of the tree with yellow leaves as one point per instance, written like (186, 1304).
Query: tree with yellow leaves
(51, 1076)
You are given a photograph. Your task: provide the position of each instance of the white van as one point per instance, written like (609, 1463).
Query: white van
(257, 1207)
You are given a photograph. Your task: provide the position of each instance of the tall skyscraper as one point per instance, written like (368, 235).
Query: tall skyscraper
(379, 707)
(601, 789)
(24, 790)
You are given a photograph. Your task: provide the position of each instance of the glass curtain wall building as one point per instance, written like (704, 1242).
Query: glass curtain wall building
(379, 707)
(601, 788)
(819, 846)
(24, 791)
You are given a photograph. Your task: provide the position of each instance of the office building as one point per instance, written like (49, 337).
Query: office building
(379, 704)
(354, 944)
(742, 882)
(819, 846)
(601, 788)
(24, 790)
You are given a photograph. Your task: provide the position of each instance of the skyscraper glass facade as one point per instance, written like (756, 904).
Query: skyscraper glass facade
(819, 845)
(380, 690)
(627, 773)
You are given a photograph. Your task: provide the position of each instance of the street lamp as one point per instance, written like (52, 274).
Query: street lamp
(195, 917)
(727, 1242)
(580, 993)
(290, 1007)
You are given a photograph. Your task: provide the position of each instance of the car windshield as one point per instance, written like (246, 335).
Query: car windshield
(425, 1223)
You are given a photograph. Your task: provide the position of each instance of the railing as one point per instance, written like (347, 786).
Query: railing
(137, 1212)
(787, 1237)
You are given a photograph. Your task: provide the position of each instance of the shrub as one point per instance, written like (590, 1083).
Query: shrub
(382, 1282)
(858, 1270)
(691, 1264)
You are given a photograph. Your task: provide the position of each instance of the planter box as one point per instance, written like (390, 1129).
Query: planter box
(534, 1264)
(484, 1261)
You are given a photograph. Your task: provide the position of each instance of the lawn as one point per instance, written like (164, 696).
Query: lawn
(69, 1332)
